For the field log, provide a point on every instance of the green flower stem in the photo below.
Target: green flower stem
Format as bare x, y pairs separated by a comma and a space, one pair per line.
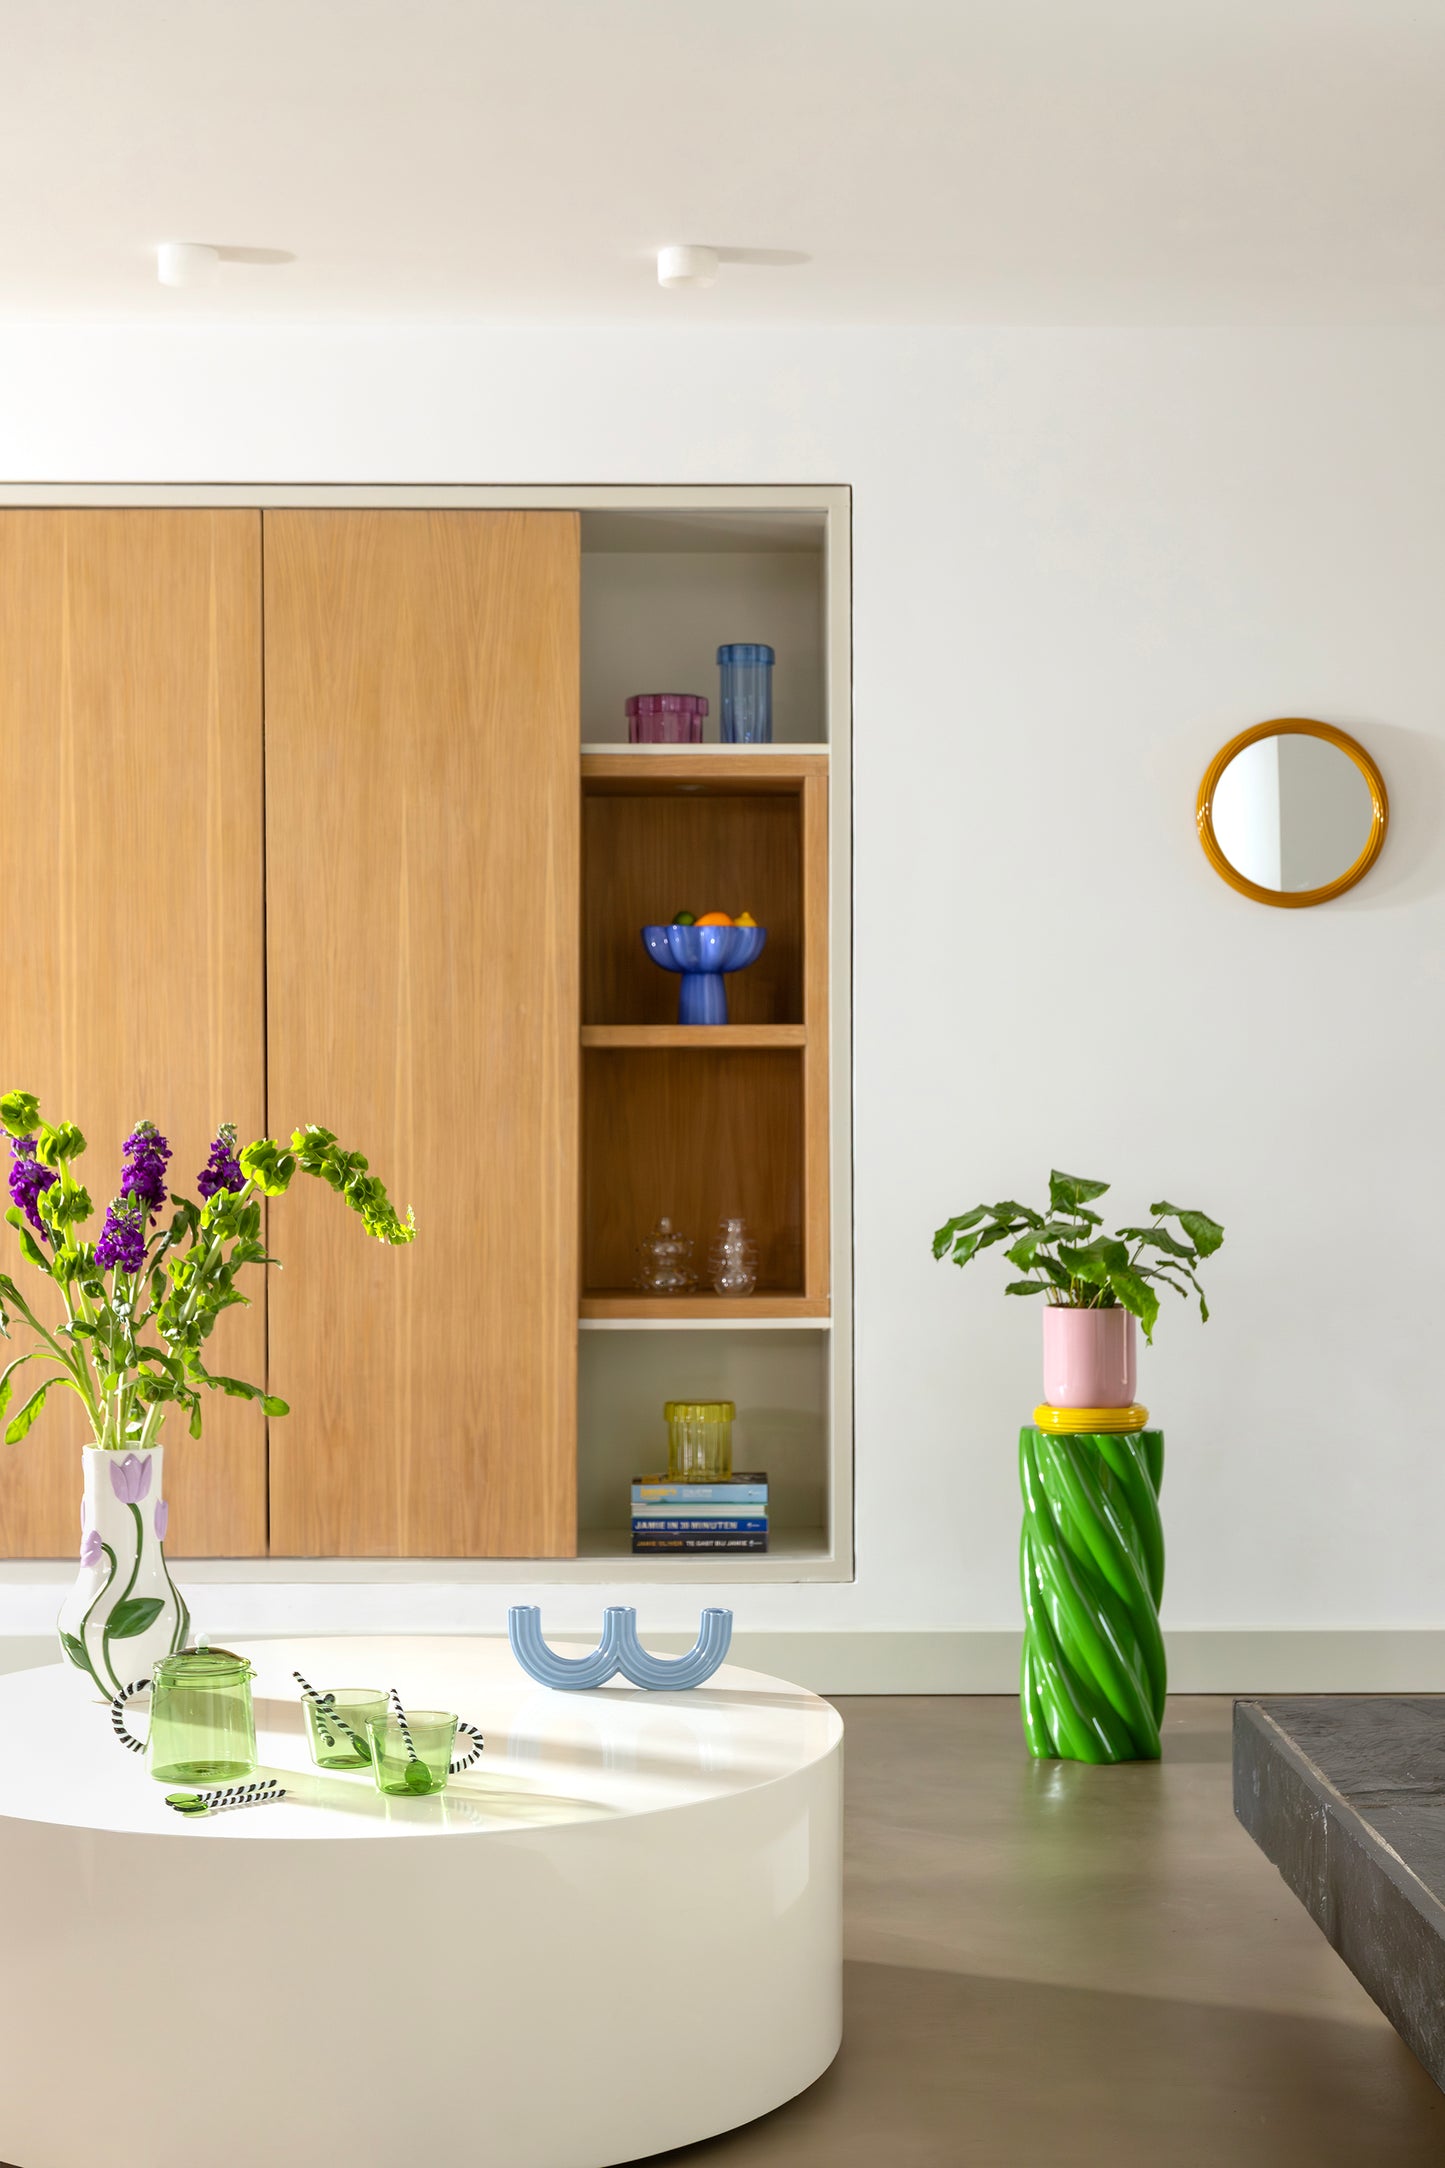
199, 1281
104, 1644
183, 1616
70, 1364
139, 1541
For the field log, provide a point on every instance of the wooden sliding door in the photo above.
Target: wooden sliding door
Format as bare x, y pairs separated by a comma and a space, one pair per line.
130, 891
422, 886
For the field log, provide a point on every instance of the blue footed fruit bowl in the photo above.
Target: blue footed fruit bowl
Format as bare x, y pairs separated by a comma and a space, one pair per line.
702, 954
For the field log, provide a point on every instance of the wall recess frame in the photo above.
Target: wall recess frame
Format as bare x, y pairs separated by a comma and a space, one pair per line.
802, 533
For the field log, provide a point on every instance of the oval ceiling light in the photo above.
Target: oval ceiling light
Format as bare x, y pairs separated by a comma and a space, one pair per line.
687, 265
187, 263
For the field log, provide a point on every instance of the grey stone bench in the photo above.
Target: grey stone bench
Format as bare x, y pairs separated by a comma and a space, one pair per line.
1346, 1794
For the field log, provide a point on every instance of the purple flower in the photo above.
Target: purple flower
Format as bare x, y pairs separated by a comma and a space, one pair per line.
130, 1478
222, 1170
143, 1169
92, 1550
27, 1179
163, 1516
122, 1238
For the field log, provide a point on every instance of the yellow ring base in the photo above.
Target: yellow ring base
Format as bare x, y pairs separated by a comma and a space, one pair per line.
1099, 1420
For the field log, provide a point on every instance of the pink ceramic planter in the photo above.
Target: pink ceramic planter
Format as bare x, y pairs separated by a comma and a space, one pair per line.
1090, 1358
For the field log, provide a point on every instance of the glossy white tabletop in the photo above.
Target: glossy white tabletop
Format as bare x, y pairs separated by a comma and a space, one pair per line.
550, 1758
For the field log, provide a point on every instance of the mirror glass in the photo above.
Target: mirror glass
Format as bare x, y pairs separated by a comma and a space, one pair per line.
1292, 813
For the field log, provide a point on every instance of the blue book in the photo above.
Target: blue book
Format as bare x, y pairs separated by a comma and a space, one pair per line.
657, 1525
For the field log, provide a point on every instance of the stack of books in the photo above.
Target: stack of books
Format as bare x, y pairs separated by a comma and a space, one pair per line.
723, 1516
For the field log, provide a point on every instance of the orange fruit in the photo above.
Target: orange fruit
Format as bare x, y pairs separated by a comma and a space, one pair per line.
714, 918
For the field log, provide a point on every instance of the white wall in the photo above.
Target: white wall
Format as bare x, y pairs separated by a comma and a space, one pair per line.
1082, 561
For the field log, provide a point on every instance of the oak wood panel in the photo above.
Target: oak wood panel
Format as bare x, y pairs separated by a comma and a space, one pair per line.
648, 856
817, 1172
130, 889
422, 731
696, 1136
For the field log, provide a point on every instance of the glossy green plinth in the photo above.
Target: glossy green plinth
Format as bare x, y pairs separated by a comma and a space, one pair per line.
1092, 1568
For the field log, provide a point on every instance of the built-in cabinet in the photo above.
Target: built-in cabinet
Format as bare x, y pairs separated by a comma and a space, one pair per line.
323, 811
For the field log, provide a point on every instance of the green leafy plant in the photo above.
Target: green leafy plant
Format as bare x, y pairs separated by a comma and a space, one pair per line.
142, 1299
1072, 1265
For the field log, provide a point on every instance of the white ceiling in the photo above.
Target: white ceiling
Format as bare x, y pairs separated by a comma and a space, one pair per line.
938, 161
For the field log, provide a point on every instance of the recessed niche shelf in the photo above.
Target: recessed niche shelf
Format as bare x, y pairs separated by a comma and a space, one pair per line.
693, 1135
659, 596
648, 855
779, 1383
699, 1123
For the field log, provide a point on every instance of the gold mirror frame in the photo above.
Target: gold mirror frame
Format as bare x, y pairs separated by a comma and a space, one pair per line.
1293, 726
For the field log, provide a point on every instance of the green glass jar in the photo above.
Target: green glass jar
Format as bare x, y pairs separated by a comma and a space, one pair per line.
699, 1440
203, 1727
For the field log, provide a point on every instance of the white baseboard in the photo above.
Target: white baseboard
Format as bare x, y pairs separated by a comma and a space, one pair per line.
1375, 1660
1264, 1661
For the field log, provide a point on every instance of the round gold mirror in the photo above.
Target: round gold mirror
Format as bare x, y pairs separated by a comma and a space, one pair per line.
1292, 812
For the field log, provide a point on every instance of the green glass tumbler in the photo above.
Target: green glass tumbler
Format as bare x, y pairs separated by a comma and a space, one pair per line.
338, 1733
413, 1771
203, 1727
699, 1440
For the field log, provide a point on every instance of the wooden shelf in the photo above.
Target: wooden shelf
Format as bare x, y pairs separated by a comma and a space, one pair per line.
703, 1038
710, 770
738, 1308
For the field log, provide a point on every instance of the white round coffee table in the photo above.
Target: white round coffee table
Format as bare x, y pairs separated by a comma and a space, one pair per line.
618, 1933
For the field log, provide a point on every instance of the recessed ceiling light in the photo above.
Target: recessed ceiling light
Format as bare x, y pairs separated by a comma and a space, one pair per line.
686, 265
187, 263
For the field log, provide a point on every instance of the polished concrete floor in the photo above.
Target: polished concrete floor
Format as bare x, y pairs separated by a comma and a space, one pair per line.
1050, 1966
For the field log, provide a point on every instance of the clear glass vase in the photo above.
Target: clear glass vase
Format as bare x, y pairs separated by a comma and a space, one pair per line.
665, 1261
733, 1259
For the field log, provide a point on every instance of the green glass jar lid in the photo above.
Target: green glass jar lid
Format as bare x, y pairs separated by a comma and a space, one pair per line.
201, 1667
699, 1411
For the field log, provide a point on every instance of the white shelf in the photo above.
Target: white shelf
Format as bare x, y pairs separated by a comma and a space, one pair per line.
779, 748
794, 1554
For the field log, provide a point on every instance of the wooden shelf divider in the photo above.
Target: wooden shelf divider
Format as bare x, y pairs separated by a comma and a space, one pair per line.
741, 1307
703, 769
702, 1038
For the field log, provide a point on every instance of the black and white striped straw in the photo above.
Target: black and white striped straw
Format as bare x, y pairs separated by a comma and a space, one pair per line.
402, 1722
260, 1794
326, 1716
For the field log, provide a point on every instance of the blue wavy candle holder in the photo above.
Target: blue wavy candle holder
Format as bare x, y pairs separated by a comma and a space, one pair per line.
703, 954
618, 1650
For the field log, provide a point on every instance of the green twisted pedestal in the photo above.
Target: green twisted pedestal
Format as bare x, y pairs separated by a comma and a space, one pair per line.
1092, 1568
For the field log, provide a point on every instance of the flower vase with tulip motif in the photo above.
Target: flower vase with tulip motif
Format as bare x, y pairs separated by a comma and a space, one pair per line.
125, 1611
